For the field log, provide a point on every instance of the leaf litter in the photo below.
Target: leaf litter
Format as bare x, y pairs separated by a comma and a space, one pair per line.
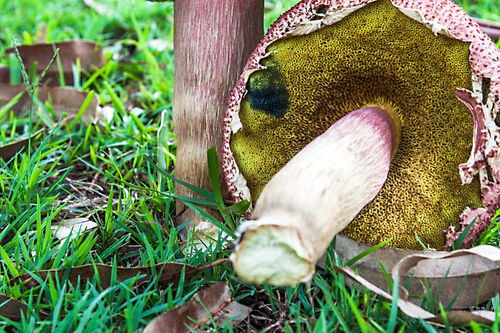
9, 150
62, 100
211, 306
477, 283
39, 57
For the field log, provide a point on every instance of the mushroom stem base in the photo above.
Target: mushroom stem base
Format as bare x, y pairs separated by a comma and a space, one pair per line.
273, 254
314, 197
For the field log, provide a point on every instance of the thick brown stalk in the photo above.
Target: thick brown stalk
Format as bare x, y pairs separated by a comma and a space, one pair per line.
314, 197
492, 29
213, 38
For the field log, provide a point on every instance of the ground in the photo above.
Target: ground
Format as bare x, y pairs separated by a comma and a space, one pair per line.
114, 174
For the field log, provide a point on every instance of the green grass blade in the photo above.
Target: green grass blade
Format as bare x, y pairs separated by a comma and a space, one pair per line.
214, 174
6, 108
458, 243
366, 252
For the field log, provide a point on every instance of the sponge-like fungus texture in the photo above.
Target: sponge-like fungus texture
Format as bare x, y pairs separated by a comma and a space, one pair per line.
324, 59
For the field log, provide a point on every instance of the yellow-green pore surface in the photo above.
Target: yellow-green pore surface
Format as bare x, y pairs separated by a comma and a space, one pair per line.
376, 55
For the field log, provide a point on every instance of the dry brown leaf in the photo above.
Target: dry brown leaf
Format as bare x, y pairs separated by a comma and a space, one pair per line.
89, 53
9, 150
470, 281
4, 74
455, 318
11, 308
69, 100
470, 276
63, 100
9, 91
368, 265
212, 304
167, 272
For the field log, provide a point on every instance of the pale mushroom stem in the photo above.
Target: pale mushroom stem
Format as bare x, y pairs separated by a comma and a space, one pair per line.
314, 196
213, 39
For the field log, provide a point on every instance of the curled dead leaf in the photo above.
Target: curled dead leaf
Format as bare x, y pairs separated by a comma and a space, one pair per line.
211, 305
16, 95
461, 278
7, 151
4, 74
167, 272
11, 308
40, 55
455, 318
63, 100
70, 101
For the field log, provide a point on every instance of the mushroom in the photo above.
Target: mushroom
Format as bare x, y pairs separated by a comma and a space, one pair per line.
212, 40
318, 63
291, 232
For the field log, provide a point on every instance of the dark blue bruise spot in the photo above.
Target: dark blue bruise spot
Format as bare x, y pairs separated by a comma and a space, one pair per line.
267, 92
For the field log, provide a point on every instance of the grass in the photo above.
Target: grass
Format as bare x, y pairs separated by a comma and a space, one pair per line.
110, 174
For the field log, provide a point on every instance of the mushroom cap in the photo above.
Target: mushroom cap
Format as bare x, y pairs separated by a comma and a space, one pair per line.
323, 59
